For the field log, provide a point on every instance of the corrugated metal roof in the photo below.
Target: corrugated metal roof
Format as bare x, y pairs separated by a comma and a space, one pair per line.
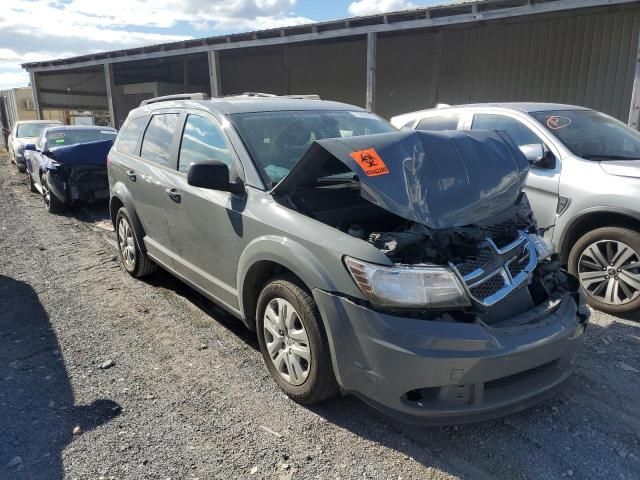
478, 9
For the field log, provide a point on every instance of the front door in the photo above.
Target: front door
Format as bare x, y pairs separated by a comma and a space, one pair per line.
204, 223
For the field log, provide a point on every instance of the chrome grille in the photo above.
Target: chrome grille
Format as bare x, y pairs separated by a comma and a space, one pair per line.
496, 271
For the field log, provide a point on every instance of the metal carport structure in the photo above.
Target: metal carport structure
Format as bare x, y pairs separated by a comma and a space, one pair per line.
582, 52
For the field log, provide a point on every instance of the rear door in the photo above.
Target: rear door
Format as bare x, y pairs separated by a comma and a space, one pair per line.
542, 183
145, 169
203, 223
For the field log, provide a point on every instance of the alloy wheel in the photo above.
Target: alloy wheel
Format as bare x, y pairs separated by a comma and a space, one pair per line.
609, 271
287, 341
46, 194
126, 243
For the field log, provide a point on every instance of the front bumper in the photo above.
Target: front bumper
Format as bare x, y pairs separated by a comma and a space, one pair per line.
443, 372
79, 183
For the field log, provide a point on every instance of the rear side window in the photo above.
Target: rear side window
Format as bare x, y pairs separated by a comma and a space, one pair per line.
520, 133
128, 138
202, 140
156, 143
438, 124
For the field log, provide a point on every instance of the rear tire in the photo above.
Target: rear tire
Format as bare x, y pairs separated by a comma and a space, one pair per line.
134, 261
607, 263
293, 343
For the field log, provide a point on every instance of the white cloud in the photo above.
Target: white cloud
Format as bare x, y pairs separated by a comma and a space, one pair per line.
371, 7
34, 30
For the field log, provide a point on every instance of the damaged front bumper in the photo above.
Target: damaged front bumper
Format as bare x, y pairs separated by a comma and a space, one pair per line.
79, 183
444, 372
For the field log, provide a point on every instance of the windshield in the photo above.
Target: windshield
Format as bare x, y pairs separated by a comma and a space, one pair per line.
592, 135
62, 138
277, 140
32, 129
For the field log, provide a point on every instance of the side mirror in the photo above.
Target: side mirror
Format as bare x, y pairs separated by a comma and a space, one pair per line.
538, 155
30, 146
213, 175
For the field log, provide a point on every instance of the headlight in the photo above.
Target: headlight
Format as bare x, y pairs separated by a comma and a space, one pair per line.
544, 248
20, 149
407, 287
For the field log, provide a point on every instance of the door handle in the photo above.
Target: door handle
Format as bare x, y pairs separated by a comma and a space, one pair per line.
173, 194
132, 175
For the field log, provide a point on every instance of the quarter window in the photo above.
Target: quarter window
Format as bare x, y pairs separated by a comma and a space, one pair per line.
438, 124
520, 134
128, 138
156, 143
202, 140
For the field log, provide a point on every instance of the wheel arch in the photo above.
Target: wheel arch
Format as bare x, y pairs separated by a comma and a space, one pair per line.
596, 218
121, 197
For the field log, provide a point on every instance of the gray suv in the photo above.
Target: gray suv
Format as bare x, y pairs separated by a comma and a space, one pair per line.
583, 186
391, 265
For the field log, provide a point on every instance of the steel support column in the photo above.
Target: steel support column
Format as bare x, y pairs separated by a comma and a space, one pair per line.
36, 95
634, 109
371, 71
214, 73
108, 80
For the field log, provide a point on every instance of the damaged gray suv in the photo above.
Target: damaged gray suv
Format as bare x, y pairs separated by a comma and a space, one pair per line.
402, 267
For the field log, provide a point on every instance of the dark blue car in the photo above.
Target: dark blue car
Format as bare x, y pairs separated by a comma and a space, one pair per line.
68, 165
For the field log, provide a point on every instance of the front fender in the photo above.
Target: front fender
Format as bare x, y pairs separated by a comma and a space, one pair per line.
287, 253
120, 194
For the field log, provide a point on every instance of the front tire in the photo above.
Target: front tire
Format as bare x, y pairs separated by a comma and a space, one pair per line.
135, 261
607, 263
52, 203
32, 186
293, 342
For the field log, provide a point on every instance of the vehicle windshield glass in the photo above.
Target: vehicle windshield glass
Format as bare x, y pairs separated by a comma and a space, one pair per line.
32, 129
592, 135
277, 140
63, 138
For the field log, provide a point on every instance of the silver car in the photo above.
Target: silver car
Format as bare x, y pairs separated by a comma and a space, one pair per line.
391, 265
583, 186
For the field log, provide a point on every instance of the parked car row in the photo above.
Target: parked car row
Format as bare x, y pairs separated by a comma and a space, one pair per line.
404, 267
65, 164
583, 186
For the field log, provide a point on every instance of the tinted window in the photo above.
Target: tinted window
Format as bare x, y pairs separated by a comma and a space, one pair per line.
438, 124
277, 140
32, 129
157, 139
128, 138
62, 138
520, 134
202, 140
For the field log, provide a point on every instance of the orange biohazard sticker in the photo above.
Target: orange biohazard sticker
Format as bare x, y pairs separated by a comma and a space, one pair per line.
370, 162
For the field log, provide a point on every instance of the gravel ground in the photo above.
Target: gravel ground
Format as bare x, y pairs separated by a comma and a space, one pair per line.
104, 376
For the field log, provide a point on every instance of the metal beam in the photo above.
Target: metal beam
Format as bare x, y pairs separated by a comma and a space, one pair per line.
214, 74
371, 71
424, 23
634, 109
36, 95
108, 79
185, 75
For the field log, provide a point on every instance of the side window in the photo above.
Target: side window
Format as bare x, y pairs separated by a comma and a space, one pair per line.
202, 140
440, 123
520, 134
128, 138
156, 143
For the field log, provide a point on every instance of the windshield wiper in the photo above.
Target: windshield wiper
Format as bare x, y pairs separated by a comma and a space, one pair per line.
608, 157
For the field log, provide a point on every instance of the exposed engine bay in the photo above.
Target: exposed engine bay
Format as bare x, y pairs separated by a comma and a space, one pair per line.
493, 244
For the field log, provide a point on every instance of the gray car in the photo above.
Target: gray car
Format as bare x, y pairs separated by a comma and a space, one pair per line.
387, 264
583, 186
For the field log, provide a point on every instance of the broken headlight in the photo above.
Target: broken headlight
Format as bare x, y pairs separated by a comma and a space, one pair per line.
407, 287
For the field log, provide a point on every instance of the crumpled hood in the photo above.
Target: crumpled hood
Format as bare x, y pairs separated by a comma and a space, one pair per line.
439, 179
622, 168
91, 153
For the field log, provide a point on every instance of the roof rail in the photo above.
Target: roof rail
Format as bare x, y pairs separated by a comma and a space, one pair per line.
271, 95
179, 96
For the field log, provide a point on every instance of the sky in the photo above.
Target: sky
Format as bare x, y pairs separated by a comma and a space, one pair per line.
35, 30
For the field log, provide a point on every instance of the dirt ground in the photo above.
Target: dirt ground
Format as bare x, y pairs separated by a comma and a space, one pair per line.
183, 393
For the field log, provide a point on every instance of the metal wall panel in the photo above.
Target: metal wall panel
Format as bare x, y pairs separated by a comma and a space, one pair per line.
585, 59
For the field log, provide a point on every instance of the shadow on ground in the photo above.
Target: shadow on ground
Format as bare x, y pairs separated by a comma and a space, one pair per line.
37, 408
